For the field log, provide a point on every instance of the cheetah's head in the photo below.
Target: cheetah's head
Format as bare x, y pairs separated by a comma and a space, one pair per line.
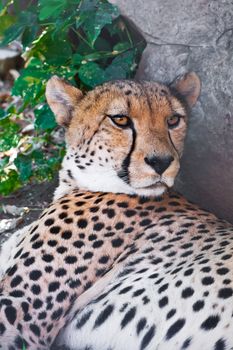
124, 136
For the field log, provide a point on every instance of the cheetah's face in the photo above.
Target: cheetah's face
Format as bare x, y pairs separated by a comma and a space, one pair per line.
124, 136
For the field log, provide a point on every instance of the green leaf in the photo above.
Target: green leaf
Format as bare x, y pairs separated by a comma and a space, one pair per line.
9, 182
5, 22
3, 113
29, 35
121, 46
77, 59
54, 50
44, 118
26, 19
91, 74
104, 14
51, 8
122, 66
9, 136
24, 166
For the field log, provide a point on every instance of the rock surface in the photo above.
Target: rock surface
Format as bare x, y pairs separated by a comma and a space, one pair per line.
195, 35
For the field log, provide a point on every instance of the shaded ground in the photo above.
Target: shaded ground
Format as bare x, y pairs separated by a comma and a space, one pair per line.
34, 196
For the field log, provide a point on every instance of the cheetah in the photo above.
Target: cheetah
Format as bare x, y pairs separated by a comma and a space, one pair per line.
114, 222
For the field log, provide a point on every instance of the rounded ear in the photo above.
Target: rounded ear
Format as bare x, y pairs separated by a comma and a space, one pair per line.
188, 86
62, 99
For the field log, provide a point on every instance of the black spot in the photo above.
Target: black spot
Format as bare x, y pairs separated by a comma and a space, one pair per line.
42, 315
78, 244
55, 229
16, 281
87, 255
52, 243
53, 286
117, 242
206, 281
37, 304
171, 313
225, 293
2, 328
163, 302
62, 215
104, 259
10, 313
122, 205
78, 212
145, 222
62, 296
198, 305
98, 226
188, 272
74, 283
138, 292
109, 212
49, 222
222, 271
128, 317
147, 337
25, 307
175, 328
61, 250
80, 269
186, 343
98, 244
47, 258
35, 289
37, 244
94, 209
17, 293
163, 288
125, 290
71, 259
66, 234
57, 314
35, 275
220, 345
119, 226
141, 325
187, 292
103, 316
210, 323
82, 223
81, 322
60, 272
35, 329
34, 237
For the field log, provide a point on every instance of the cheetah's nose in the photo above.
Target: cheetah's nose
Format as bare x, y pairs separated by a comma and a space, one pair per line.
159, 164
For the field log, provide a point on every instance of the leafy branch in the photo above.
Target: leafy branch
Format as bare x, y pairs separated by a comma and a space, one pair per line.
86, 42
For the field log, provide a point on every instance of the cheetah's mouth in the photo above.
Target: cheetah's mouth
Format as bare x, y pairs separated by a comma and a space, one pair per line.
156, 185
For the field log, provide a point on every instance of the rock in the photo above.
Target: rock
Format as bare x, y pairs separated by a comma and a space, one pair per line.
195, 36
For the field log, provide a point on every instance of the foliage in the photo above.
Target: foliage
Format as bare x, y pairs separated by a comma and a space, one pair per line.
84, 41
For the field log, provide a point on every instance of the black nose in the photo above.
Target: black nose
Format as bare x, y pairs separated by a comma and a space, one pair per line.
159, 164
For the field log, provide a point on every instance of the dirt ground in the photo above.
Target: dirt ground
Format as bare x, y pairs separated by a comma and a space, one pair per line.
34, 196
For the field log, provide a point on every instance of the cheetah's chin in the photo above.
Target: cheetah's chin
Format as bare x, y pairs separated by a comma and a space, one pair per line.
155, 190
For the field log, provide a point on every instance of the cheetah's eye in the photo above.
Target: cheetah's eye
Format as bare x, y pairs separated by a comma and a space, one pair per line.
120, 120
173, 121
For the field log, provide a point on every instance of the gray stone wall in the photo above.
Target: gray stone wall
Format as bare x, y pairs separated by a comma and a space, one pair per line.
195, 35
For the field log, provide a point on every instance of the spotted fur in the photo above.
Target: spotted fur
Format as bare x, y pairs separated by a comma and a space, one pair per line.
107, 210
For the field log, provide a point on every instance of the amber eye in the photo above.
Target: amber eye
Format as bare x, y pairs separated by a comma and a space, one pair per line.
173, 121
120, 120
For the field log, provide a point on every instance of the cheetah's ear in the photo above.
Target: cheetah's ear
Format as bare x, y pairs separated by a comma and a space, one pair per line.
188, 86
62, 99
